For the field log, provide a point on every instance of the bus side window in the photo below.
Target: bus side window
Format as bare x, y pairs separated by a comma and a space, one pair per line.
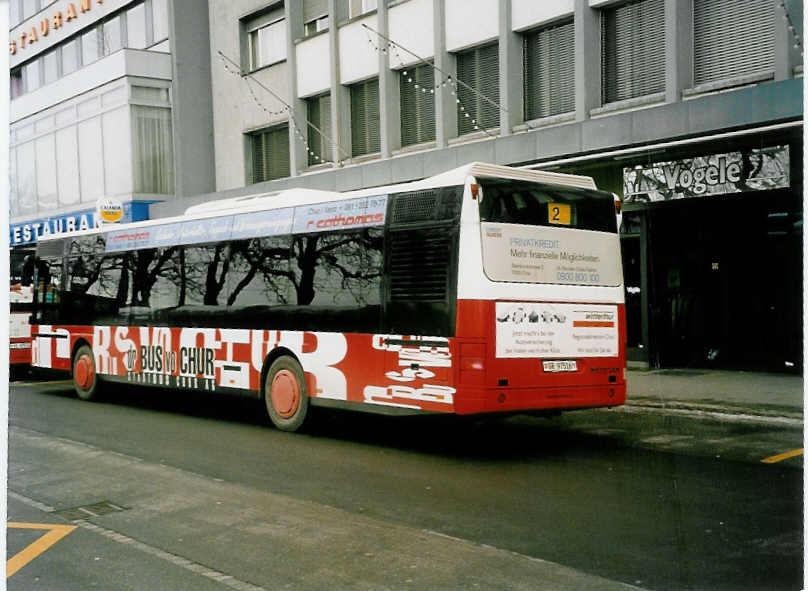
28, 270
48, 281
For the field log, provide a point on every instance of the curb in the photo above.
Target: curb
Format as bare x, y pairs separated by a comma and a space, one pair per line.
773, 416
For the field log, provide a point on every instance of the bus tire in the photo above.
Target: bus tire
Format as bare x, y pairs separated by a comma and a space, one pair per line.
285, 395
85, 378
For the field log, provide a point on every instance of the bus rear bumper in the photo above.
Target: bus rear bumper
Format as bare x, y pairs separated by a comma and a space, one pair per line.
470, 401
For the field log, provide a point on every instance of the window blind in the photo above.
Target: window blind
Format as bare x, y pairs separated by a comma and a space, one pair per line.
732, 38
154, 151
417, 105
313, 9
319, 114
271, 154
479, 69
633, 54
549, 66
365, 135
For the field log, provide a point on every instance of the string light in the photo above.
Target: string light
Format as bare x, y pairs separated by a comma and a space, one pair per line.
287, 109
796, 41
408, 76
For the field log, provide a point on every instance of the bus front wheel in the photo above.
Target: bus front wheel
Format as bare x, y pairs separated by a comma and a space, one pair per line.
85, 379
285, 395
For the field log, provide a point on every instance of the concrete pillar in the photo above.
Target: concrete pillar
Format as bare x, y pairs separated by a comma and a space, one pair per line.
784, 38
587, 60
298, 155
340, 95
445, 102
511, 72
192, 98
389, 93
678, 48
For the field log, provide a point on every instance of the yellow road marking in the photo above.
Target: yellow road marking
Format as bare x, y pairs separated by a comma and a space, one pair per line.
783, 456
55, 533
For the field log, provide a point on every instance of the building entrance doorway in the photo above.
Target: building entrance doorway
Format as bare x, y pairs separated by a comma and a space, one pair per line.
725, 282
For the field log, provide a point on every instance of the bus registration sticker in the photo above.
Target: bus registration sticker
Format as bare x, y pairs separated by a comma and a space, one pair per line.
556, 366
559, 213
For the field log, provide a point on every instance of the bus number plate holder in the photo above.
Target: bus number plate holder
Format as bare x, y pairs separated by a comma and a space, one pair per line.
559, 366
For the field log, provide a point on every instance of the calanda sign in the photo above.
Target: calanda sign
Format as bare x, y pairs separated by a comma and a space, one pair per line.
731, 172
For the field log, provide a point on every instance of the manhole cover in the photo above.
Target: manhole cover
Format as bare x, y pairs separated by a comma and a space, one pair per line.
89, 511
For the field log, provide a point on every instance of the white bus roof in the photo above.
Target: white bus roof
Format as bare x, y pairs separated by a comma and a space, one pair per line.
297, 197
450, 178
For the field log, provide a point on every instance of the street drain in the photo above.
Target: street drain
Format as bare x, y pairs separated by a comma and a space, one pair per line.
89, 511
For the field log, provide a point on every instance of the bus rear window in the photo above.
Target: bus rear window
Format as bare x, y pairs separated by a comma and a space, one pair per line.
508, 201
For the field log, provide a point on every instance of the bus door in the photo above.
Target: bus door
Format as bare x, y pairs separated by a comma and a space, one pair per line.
50, 347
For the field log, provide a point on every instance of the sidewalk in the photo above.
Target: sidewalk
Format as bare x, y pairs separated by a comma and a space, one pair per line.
753, 394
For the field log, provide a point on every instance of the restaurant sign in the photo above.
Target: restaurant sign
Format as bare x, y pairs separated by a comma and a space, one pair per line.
717, 174
31, 231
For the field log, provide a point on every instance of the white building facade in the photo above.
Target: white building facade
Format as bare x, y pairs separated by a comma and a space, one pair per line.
93, 110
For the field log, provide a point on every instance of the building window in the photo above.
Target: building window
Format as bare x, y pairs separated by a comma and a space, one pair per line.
113, 40
417, 86
358, 7
732, 39
32, 81
549, 62
270, 154
315, 16
266, 38
50, 67
160, 20
633, 50
90, 46
14, 13
318, 110
479, 70
153, 150
365, 136
29, 8
16, 89
70, 57
136, 27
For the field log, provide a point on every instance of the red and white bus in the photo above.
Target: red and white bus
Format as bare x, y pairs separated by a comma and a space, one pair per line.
485, 289
21, 299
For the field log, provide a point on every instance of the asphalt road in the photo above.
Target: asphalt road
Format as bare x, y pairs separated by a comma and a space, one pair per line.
197, 492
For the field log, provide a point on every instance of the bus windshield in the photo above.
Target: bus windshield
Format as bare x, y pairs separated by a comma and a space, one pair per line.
507, 201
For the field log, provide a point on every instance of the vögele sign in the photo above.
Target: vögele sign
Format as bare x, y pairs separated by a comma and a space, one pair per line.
731, 172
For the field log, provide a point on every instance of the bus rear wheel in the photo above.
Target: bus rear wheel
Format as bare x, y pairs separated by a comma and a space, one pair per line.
285, 395
85, 379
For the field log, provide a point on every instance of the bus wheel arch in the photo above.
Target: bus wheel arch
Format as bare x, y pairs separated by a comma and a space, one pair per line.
83, 371
284, 390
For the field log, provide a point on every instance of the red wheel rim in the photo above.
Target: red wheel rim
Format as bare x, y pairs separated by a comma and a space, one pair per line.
285, 393
84, 373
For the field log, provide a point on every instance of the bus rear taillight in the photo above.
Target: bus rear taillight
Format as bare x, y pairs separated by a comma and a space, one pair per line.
472, 364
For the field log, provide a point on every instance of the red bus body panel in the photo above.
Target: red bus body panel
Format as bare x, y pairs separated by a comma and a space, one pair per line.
486, 383
400, 372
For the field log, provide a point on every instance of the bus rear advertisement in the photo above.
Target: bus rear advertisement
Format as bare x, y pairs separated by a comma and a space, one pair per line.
486, 289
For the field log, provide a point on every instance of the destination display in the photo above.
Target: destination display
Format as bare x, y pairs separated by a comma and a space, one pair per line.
539, 254
545, 330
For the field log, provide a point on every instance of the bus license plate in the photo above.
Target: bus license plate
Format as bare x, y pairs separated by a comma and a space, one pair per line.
554, 366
